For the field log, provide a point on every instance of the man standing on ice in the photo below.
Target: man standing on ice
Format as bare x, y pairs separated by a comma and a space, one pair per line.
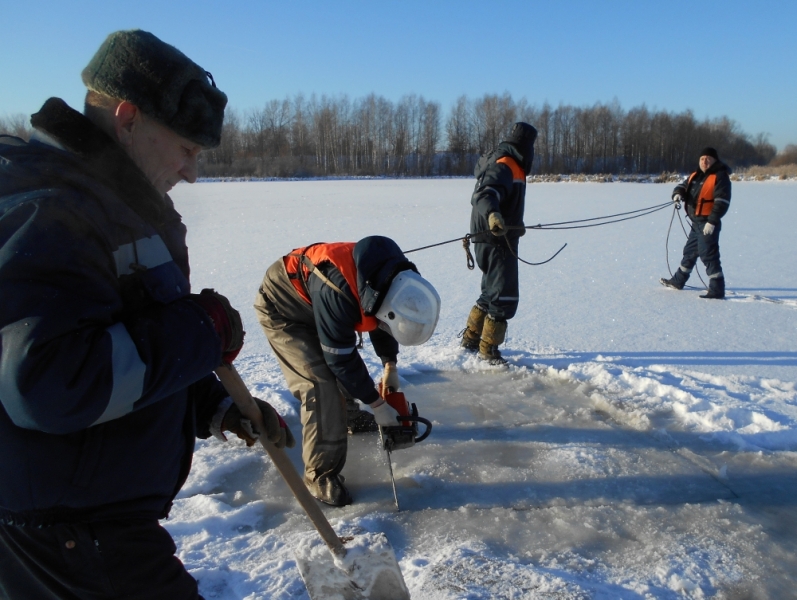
106, 358
707, 193
312, 305
497, 215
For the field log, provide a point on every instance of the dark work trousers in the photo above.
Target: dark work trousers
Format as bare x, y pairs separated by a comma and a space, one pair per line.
500, 290
289, 324
707, 247
130, 559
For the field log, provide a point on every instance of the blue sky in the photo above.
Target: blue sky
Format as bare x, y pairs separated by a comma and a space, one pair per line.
734, 58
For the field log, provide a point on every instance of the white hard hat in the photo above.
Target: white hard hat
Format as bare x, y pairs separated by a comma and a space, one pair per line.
410, 309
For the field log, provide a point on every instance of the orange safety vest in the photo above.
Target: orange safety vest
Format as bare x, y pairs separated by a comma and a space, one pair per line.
340, 255
518, 174
705, 201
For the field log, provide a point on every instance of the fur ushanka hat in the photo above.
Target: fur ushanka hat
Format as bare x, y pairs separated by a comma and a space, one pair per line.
164, 83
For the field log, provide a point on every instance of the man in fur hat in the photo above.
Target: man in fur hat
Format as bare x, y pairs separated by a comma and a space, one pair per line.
106, 357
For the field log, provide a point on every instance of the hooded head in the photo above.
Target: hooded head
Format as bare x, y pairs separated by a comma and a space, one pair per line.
390, 288
522, 138
166, 85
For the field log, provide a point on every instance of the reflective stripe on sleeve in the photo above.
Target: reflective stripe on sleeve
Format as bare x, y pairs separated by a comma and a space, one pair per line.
128, 374
14, 200
329, 350
722, 200
509, 298
147, 252
489, 188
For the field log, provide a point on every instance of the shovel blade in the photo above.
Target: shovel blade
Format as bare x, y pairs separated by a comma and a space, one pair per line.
369, 571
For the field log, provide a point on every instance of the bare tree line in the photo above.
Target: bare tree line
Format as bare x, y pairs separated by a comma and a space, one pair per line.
373, 136
337, 136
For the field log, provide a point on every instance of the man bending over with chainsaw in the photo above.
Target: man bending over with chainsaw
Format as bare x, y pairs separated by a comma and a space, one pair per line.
106, 357
312, 305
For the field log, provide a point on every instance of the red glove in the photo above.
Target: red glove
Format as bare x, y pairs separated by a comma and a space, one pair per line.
389, 407
226, 321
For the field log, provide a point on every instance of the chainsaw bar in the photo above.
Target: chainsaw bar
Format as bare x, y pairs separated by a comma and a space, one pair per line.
400, 436
390, 468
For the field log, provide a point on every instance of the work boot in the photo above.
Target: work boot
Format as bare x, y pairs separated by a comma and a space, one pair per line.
360, 421
671, 283
473, 329
716, 289
493, 336
677, 281
329, 490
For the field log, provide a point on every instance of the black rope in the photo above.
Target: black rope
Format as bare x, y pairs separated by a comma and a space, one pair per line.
467, 237
675, 208
641, 212
666, 246
469, 257
465, 244
509, 246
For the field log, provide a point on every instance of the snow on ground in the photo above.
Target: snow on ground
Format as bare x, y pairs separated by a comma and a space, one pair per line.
642, 445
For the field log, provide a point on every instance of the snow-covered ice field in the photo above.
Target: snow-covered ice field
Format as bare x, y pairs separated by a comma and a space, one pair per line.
642, 445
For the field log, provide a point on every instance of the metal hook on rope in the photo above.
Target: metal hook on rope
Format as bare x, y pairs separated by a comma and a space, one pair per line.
469, 257
465, 244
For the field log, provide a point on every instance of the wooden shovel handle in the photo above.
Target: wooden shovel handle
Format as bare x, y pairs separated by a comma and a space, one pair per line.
239, 393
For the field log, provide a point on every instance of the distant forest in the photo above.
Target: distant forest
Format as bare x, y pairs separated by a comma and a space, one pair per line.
337, 136
324, 136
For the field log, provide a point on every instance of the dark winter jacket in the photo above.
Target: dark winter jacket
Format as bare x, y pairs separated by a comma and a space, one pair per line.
498, 189
377, 260
105, 363
692, 185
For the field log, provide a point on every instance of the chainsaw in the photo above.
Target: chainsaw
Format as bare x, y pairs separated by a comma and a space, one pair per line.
405, 434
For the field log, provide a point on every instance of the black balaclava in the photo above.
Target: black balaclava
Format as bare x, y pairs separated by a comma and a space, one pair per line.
523, 137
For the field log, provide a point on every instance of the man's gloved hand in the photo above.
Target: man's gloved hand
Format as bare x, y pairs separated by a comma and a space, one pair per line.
708, 229
226, 321
390, 379
384, 414
495, 222
277, 430
677, 198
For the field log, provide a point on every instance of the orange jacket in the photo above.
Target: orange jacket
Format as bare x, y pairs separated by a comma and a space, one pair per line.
705, 201
340, 255
518, 174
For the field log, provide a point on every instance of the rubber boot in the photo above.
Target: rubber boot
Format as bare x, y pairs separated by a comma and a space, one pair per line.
716, 289
473, 329
677, 281
329, 490
493, 335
